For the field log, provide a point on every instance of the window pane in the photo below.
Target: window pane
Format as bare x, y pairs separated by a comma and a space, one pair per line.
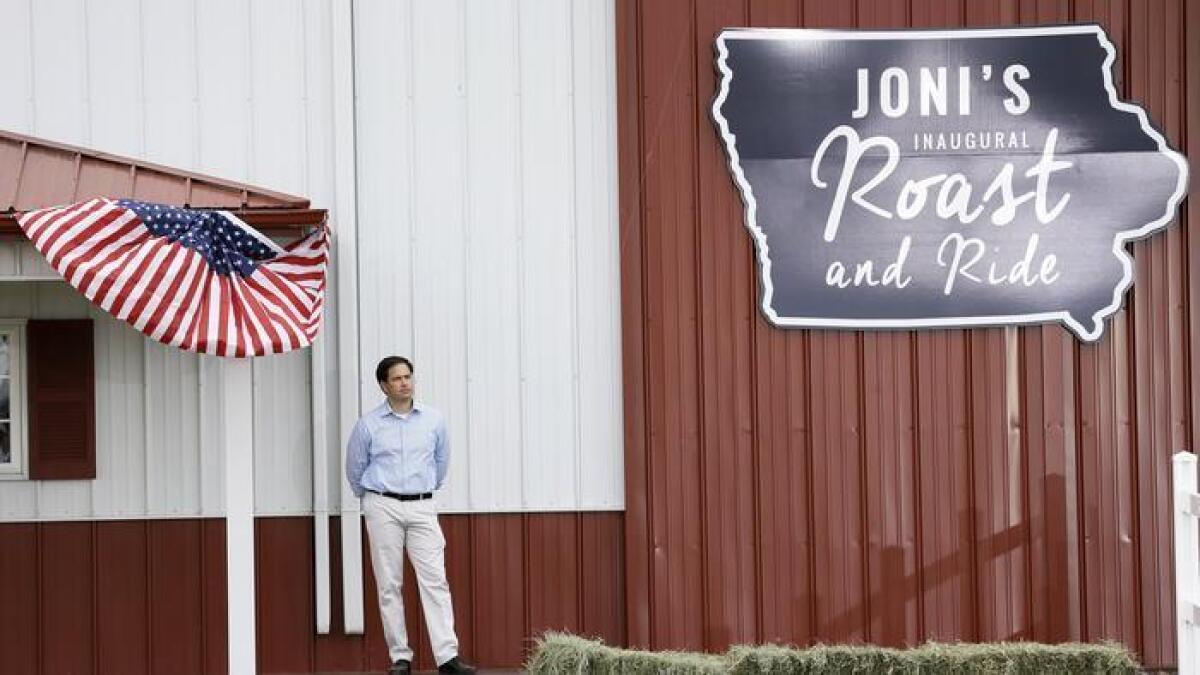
4, 355
5, 444
4, 399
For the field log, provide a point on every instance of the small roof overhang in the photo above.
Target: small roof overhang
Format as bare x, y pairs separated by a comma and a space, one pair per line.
35, 173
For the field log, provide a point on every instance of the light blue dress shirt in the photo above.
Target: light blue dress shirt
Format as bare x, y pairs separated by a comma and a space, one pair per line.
404, 454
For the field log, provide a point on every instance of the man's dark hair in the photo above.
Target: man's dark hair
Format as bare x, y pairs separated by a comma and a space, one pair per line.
381, 370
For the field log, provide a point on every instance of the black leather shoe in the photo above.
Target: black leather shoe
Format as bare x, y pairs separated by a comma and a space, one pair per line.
400, 667
455, 666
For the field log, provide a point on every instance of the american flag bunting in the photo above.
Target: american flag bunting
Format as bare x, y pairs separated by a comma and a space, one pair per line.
200, 280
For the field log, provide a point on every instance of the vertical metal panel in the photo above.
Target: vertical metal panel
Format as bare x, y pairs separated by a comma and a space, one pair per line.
501, 610
171, 426
224, 121
959, 485
214, 614
19, 586
282, 434
122, 599
837, 553
284, 571
674, 481
10, 265
439, 261
129, 481
58, 79
784, 547
276, 88
168, 72
66, 598
469, 624
730, 549
386, 167
17, 78
33, 264
597, 302
1156, 40
317, 94
638, 545
602, 574
488, 239
494, 222
113, 123
1107, 501
888, 418
555, 567
945, 572
548, 242
175, 554
212, 469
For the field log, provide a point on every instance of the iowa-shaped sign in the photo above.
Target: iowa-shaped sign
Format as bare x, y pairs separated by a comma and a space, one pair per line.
907, 179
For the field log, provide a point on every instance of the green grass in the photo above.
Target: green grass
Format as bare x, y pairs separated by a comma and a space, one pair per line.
563, 653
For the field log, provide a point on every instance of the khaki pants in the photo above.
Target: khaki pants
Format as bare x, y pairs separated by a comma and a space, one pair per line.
393, 525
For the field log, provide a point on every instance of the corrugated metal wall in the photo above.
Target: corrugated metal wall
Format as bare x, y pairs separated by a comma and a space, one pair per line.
486, 222
486, 171
890, 487
156, 414
488, 238
135, 597
20, 261
113, 597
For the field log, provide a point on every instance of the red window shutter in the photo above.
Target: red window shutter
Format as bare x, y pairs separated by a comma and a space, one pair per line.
62, 399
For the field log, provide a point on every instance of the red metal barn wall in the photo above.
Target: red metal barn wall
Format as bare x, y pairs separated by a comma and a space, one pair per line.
887, 487
148, 596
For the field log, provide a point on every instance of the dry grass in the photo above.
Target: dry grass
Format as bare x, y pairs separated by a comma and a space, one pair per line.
560, 653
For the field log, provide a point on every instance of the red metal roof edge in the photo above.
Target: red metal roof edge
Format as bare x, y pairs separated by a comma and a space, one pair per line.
265, 219
292, 201
291, 213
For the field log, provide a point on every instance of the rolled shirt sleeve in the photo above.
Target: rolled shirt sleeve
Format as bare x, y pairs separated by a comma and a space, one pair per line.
357, 457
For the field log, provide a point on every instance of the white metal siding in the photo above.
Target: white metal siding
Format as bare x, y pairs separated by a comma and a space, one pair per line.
230, 88
487, 233
19, 260
488, 238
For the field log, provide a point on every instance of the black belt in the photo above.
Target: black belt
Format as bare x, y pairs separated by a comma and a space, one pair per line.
404, 498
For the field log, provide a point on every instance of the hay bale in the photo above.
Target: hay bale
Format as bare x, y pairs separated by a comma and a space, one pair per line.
561, 653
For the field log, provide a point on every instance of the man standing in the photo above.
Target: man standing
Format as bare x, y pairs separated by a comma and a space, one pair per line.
396, 459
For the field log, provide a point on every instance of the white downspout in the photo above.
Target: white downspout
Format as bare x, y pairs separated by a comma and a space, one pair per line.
320, 477
346, 247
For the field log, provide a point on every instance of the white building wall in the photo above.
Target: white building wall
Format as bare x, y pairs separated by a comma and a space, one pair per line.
487, 233
488, 238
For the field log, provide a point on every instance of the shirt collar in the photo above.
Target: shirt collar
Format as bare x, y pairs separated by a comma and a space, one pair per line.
385, 408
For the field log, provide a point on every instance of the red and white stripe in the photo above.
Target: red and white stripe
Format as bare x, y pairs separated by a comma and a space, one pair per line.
168, 291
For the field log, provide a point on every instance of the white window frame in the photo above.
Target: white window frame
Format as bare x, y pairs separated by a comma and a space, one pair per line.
17, 468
